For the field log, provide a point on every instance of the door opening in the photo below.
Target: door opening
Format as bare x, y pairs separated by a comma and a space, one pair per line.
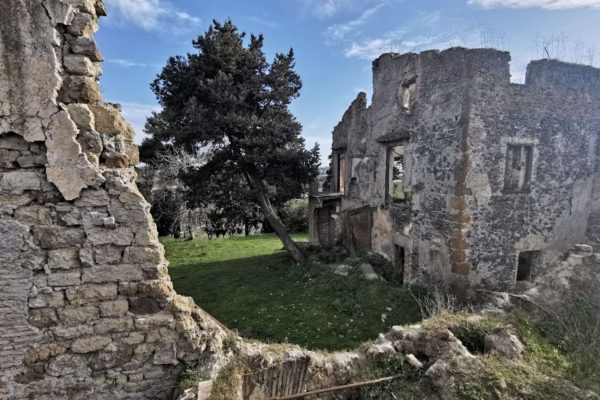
526, 265
399, 264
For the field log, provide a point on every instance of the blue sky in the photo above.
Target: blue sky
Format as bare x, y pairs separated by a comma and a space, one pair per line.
335, 42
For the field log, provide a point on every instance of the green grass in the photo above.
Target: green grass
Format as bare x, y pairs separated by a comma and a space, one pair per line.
251, 285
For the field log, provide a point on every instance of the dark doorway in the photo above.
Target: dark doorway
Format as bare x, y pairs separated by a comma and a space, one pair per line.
527, 261
399, 263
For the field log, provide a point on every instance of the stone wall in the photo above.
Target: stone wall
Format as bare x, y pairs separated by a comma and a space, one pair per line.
459, 228
87, 309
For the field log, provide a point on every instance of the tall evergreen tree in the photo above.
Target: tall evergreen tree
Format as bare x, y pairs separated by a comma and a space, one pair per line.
227, 101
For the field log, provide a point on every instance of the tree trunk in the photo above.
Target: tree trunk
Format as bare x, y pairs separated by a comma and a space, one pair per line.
273, 219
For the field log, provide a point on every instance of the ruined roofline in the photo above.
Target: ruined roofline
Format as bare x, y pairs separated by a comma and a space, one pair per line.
541, 73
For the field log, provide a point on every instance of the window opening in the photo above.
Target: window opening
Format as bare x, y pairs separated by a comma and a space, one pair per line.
519, 160
527, 260
395, 184
406, 94
341, 172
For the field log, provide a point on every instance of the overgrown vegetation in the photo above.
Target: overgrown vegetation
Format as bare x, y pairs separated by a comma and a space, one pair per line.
247, 283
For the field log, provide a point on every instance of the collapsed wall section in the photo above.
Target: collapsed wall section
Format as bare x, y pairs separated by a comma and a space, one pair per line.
87, 308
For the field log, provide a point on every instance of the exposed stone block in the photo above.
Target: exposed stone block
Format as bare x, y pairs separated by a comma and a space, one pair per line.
58, 237
17, 182
90, 344
147, 322
116, 308
67, 258
112, 273
72, 332
92, 292
8, 158
139, 254
53, 299
82, 116
93, 198
113, 325
79, 89
34, 215
120, 236
81, 65
32, 160
108, 254
43, 317
144, 305
67, 364
64, 278
166, 354
72, 316
83, 24
109, 121
85, 46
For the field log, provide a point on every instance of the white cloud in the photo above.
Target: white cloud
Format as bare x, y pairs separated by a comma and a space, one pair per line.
395, 42
329, 8
151, 14
122, 62
341, 31
137, 114
546, 4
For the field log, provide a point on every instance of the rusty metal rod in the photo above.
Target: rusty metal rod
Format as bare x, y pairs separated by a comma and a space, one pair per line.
336, 388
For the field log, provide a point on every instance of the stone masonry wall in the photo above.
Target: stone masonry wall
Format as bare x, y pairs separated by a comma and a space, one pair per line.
459, 228
87, 309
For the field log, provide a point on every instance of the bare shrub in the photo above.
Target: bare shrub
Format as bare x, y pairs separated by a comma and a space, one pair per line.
437, 302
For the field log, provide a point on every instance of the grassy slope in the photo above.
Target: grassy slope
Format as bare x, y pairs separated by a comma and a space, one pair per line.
250, 284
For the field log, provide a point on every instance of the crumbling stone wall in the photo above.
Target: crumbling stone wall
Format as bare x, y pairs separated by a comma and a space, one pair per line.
459, 227
87, 309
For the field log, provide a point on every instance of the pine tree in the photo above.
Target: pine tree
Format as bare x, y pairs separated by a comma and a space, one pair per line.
227, 101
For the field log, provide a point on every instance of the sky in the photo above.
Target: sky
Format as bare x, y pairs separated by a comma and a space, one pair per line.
335, 42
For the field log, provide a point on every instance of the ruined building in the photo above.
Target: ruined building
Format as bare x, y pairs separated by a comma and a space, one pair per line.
460, 177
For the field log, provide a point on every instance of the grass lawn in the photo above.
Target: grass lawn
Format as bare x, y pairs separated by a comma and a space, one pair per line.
251, 285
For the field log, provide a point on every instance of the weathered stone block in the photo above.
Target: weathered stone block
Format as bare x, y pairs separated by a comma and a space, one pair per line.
158, 288
32, 160
138, 254
43, 317
71, 316
93, 198
108, 254
58, 237
66, 278
67, 258
80, 65
113, 325
119, 236
90, 344
8, 158
34, 215
109, 121
82, 116
92, 292
17, 182
166, 354
85, 46
53, 299
72, 332
113, 273
83, 24
162, 319
79, 89
116, 308
67, 364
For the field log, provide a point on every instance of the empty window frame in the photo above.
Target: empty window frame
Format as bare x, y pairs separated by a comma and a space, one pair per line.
526, 264
407, 91
519, 160
341, 172
395, 175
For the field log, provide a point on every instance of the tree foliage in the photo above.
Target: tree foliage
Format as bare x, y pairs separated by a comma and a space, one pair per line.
226, 101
